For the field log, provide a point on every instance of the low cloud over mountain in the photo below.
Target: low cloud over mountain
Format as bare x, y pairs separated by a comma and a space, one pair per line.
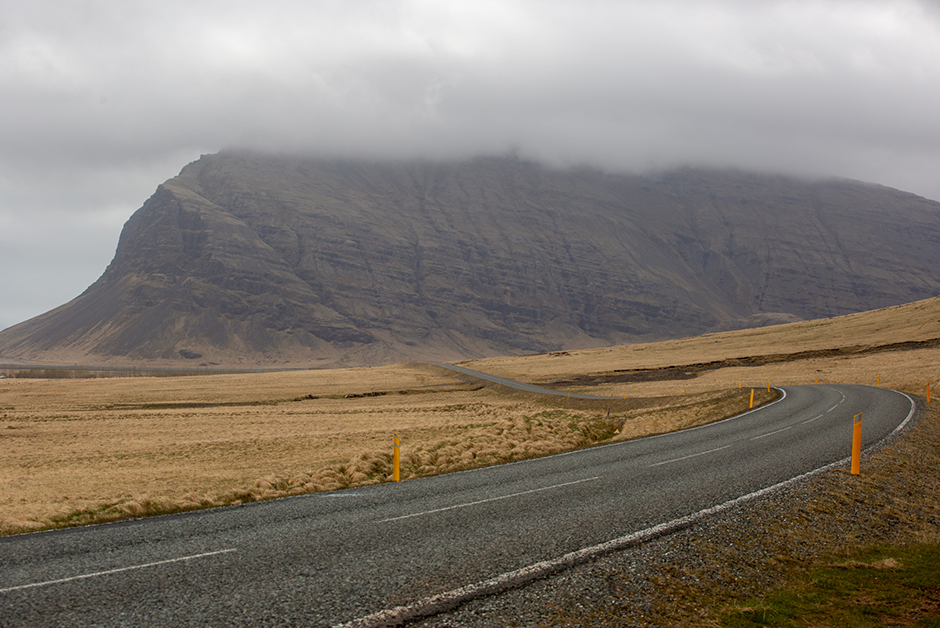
248, 259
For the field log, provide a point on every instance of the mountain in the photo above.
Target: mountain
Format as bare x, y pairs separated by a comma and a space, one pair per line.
250, 259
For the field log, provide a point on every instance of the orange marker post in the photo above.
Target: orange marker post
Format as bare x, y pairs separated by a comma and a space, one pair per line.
928, 393
396, 458
768, 385
856, 443
752, 399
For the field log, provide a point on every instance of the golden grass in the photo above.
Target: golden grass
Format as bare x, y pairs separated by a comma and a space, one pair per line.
81, 445
913, 322
79, 451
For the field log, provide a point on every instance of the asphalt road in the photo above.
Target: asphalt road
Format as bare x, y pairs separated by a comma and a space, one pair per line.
496, 379
350, 556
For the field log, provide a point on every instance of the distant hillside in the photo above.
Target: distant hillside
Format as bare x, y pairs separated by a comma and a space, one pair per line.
246, 259
895, 330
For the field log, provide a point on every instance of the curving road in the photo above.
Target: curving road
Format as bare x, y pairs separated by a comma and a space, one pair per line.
511, 383
370, 556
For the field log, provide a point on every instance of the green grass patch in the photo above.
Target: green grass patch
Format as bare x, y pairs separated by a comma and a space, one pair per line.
881, 586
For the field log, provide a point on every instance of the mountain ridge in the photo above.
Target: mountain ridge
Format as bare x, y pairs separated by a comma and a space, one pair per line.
249, 259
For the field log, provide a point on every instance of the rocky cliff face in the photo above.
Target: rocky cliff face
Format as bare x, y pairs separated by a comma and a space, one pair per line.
259, 260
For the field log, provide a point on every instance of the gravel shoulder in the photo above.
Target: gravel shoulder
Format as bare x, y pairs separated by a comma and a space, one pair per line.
690, 577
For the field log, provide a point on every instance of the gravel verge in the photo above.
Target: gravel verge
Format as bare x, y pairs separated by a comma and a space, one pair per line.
689, 577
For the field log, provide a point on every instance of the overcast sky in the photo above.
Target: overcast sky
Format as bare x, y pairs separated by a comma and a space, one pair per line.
103, 101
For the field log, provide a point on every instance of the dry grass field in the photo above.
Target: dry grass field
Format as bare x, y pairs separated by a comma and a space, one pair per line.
76, 451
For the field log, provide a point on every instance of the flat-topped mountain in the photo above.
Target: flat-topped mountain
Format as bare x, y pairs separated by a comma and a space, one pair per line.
248, 259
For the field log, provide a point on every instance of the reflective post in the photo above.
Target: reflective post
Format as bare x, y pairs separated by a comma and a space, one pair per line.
396, 458
752, 399
856, 443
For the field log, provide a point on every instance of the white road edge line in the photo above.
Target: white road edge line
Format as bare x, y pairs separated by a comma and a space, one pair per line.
111, 571
483, 501
701, 453
452, 599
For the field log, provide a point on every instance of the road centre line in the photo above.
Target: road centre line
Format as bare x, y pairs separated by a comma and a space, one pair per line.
492, 499
827, 411
837, 405
701, 453
112, 571
782, 429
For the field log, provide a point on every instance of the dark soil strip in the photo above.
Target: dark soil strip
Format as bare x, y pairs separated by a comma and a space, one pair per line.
691, 371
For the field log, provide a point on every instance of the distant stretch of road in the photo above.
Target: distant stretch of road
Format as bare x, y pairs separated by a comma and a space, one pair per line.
511, 383
370, 556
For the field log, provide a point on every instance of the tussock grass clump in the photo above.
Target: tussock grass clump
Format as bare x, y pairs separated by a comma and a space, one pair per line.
521, 438
116, 511
689, 411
